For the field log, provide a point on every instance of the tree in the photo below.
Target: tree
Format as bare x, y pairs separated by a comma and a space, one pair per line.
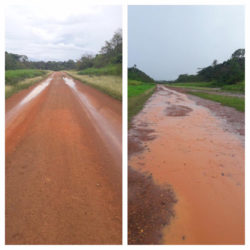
86, 61
239, 53
214, 63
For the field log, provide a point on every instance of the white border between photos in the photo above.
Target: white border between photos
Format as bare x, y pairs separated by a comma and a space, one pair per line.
2, 126
125, 53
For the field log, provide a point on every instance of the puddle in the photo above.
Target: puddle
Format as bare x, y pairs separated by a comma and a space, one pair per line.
34, 93
177, 110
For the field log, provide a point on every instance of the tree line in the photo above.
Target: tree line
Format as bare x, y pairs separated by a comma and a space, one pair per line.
229, 72
110, 53
135, 74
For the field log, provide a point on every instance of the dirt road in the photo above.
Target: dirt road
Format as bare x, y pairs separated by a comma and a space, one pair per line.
194, 148
63, 165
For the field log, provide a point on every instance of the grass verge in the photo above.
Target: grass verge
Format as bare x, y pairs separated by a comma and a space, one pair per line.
112, 69
109, 84
238, 87
14, 76
193, 84
234, 102
137, 96
24, 84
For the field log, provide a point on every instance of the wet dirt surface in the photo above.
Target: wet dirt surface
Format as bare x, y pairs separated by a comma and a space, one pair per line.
200, 154
232, 117
63, 172
177, 110
150, 208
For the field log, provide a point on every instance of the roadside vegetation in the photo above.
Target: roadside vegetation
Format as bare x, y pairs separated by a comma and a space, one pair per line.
107, 62
111, 69
14, 76
17, 80
238, 87
193, 84
135, 74
226, 76
217, 81
139, 90
109, 84
102, 71
234, 102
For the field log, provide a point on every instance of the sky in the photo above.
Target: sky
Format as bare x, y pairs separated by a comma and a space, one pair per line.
166, 41
59, 32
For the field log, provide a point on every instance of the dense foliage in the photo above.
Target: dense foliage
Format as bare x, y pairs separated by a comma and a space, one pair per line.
15, 61
226, 73
135, 74
110, 54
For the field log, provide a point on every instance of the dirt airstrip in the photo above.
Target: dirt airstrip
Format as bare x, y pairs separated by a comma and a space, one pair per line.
193, 152
63, 165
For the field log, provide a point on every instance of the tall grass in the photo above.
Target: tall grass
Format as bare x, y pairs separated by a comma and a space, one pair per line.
112, 69
111, 85
14, 88
15, 76
238, 87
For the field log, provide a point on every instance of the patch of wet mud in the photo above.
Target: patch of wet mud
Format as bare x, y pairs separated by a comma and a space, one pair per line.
140, 135
177, 110
150, 208
235, 119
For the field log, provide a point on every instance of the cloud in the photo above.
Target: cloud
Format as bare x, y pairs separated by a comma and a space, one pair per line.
59, 32
166, 41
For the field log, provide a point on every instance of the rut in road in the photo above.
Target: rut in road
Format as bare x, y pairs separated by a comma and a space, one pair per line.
185, 145
63, 175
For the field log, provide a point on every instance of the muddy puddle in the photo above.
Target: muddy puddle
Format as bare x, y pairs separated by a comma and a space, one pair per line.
193, 151
11, 114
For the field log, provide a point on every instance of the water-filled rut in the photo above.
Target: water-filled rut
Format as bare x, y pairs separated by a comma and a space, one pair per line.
186, 147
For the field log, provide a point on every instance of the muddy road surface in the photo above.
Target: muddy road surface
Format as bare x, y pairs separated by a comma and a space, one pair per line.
63, 165
195, 149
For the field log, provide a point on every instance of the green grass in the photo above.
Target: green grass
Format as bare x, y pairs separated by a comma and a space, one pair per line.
113, 69
193, 84
15, 76
134, 82
239, 87
24, 84
111, 85
138, 94
136, 90
234, 102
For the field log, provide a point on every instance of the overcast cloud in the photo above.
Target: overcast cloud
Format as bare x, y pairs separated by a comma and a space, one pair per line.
165, 41
59, 32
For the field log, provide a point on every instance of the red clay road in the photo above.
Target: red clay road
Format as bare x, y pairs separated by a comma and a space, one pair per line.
201, 156
63, 165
